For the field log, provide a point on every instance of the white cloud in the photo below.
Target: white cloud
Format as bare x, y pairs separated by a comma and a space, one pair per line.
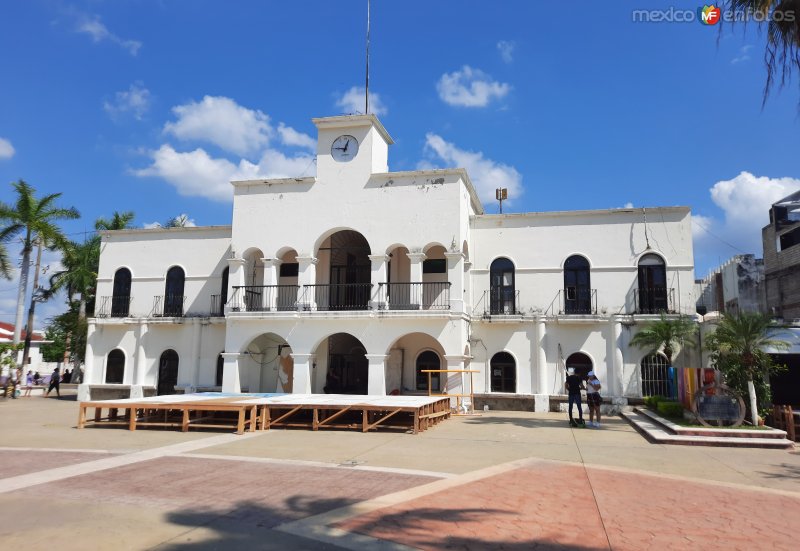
486, 174
223, 122
506, 50
183, 220
51, 263
197, 174
135, 100
6, 149
743, 54
470, 87
352, 101
745, 202
291, 137
95, 28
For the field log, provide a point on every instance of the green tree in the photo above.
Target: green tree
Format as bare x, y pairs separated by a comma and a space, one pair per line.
5, 261
118, 221
737, 348
32, 218
667, 335
781, 18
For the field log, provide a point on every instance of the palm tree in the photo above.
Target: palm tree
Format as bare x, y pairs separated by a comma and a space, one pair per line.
782, 19
119, 221
666, 335
743, 338
5, 262
33, 219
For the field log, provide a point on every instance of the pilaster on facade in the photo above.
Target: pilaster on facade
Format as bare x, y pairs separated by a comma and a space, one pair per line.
376, 375
230, 373
302, 373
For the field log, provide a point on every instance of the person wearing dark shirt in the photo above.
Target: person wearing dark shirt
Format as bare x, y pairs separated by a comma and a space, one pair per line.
574, 385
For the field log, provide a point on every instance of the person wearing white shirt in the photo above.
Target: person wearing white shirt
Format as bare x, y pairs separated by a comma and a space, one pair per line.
593, 399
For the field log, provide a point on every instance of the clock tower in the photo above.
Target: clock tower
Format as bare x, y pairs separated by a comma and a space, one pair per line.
351, 147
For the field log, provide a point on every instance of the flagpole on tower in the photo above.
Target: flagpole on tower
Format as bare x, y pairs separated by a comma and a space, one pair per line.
366, 91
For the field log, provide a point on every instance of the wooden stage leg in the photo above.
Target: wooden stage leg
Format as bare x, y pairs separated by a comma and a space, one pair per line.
185, 420
240, 426
98, 412
132, 418
81, 416
416, 421
315, 421
253, 417
265, 417
365, 421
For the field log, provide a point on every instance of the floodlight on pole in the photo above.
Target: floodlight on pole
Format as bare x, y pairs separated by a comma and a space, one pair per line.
501, 194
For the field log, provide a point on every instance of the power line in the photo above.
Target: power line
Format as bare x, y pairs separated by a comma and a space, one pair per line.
709, 232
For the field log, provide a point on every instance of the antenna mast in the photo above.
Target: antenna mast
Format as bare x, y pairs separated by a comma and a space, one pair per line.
366, 92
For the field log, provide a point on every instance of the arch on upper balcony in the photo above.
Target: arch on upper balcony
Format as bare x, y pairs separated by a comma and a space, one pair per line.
253, 266
342, 230
432, 246
285, 251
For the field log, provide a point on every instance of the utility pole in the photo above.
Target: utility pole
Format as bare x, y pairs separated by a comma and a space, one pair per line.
501, 194
29, 328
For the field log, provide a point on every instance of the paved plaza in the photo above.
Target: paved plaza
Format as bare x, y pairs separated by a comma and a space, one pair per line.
500, 480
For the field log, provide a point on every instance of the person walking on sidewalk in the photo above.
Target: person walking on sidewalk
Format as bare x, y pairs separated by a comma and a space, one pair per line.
593, 399
55, 379
574, 386
28, 384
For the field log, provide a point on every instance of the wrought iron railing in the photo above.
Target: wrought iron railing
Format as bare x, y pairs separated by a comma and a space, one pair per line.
117, 306
336, 296
169, 306
654, 300
503, 301
577, 301
263, 298
433, 295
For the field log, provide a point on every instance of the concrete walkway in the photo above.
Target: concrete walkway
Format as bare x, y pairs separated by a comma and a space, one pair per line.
501, 480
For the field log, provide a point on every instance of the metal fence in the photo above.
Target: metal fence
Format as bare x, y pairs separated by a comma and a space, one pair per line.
414, 296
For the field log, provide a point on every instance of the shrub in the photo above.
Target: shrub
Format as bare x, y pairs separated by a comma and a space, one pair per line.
670, 409
652, 401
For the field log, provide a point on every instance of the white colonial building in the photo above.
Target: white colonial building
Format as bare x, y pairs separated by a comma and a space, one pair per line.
356, 280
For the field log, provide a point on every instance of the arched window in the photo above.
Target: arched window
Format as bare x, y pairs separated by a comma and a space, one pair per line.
504, 373
653, 294
173, 292
220, 366
577, 286
428, 360
121, 297
502, 295
168, 372
115, 366
580, 362
656, 379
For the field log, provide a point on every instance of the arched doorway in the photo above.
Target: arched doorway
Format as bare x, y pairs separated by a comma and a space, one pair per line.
348, 367
167, 372
504, 373
267, 365
652, 279
425, 361
580, 362
121, 298
219, 370
577, 286
346, 256
655, 376
115, 366
173, 292
502, 292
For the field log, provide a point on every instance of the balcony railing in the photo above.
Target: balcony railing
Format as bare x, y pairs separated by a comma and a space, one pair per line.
336, 296
217, 306
577, 301
264, 298
168, 306
503, 301
654, 300
414, 296
117, 306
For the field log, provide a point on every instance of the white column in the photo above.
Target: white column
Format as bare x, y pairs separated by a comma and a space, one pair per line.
307, 275
614, 374
235, 279
455, 275
378, 276
194, 376
541, 358
271, 274
416, 275
376, 378
139, 362
301, 376
230, 373
89, 375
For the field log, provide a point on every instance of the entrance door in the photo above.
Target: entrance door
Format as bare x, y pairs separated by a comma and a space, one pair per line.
652, 285
167, 372
501, 287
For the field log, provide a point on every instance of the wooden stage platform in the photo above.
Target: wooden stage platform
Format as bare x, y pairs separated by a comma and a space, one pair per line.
251, 412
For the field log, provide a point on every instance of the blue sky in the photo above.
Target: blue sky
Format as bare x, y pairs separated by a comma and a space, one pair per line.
150, 106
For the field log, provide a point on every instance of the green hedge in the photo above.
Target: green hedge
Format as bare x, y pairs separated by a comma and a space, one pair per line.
652, 401
670, 409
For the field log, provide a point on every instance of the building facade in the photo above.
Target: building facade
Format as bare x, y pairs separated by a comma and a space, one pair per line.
735, 286
361, 280
781, 239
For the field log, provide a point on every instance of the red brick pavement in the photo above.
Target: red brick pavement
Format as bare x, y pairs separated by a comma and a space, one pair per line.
551, 506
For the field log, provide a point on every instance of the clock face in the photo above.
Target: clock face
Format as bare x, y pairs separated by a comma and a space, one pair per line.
344, 148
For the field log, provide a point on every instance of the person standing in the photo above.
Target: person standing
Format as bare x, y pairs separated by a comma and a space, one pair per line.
55, 379
593, 399
28, 384
574, 386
